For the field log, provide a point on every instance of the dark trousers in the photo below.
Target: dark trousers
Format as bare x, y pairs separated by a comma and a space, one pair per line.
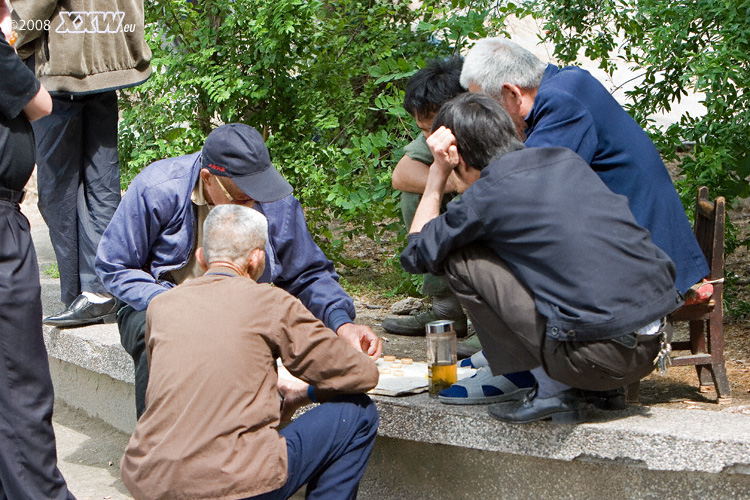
78, 177
328, 448
28, 460
512, 332
132, 325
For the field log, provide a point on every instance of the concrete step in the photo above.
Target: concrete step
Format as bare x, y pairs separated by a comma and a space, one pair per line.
429, 450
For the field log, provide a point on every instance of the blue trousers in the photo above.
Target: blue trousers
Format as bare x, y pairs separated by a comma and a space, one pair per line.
28, 460
328, 448
78, 177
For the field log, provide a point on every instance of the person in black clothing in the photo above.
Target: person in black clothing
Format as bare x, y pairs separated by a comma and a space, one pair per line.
28, 460
550, 265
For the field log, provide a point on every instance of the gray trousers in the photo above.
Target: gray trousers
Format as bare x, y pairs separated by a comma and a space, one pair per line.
78, 177
28, 460
512, 332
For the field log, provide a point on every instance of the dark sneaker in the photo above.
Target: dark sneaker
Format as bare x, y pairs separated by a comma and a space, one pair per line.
469, 346
414, 325
607, 400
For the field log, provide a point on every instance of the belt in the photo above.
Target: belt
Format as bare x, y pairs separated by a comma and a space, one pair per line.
12, 195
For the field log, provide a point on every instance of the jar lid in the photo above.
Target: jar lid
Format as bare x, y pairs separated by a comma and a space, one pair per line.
439, 326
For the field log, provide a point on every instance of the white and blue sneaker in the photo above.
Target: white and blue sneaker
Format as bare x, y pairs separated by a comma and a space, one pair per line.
485, 388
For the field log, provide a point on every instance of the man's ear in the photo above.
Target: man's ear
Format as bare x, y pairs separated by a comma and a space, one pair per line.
511, 96
201, 259
466, 173
205, 175
256, 263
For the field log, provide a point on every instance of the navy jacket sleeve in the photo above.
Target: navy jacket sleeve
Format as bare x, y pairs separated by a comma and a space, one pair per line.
559, 119
460, 225
145, 213
295, 263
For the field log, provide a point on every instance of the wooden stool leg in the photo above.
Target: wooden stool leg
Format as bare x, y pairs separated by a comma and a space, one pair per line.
633, 392
705, 377
721, 381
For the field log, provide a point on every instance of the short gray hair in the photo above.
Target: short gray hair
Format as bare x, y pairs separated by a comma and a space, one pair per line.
231, 232
495, 61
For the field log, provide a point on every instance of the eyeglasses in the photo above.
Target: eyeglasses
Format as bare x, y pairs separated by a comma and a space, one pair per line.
230, 198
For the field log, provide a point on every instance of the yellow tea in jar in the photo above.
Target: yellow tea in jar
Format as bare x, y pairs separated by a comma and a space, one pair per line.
441, 377
441, 356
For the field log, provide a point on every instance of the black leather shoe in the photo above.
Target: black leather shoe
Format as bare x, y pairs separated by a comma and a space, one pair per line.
82, 312
607, 400
566, 407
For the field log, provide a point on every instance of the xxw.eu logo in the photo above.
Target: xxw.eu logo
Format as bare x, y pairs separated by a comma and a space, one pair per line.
93, 22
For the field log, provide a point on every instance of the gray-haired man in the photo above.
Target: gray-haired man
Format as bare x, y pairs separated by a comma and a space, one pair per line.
211, 430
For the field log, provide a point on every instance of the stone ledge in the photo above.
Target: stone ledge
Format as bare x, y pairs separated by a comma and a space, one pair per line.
653, 438
650, 438
96, 348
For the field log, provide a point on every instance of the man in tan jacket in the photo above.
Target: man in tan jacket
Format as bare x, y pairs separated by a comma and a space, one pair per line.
83, 51
210, 429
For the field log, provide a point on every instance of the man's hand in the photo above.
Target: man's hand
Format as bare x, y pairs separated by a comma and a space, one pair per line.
293, 397
5, 22
442, 143
411, 175
445, 159
362, 338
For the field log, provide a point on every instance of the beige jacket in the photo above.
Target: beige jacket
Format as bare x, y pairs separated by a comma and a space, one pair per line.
212, 405
83, 46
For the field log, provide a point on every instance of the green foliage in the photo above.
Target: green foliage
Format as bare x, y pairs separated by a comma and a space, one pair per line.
322, 81
52, 270
676, 47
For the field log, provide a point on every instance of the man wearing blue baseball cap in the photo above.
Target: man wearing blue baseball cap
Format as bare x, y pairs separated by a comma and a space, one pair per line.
149, 246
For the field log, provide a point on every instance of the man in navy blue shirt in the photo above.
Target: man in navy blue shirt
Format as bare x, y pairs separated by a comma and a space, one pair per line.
567, 107
550, 265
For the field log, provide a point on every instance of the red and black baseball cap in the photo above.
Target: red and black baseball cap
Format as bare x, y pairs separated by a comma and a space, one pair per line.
237, 151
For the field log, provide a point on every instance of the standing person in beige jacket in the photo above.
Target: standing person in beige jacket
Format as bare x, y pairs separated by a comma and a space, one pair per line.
210, 429
82, 51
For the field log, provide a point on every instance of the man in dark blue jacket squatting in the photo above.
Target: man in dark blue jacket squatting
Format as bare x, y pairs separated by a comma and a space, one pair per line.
568, 107
550, 265
149, 246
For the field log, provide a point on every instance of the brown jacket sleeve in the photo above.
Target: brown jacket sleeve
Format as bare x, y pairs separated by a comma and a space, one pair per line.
315, 354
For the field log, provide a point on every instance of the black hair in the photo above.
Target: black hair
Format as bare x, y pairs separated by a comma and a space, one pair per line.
431, 86
482, 128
